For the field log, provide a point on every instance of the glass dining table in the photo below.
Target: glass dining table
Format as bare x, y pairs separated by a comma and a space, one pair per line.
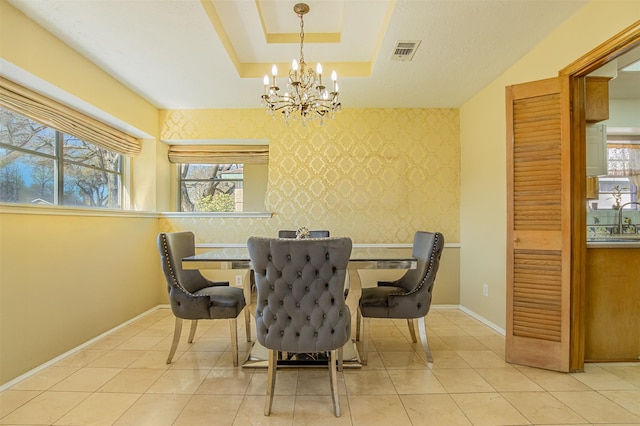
362, 257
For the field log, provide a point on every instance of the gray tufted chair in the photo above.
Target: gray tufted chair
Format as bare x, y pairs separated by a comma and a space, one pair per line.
409, 297
283, 233
191, 295
300, 304
290, 234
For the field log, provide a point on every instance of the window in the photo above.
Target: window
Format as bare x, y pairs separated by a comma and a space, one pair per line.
221, 177
621, 185
211, 187
616, 191
40, 165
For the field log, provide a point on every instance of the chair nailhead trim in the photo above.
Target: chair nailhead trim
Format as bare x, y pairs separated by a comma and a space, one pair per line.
174, 279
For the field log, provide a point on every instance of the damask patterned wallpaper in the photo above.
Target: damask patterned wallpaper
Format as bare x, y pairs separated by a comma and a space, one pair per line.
375, 175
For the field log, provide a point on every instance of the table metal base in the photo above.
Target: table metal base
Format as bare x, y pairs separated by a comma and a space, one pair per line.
259, 356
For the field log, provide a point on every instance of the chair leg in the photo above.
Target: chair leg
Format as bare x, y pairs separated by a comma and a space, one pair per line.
271, 381
192, 332
425, 342
358, 320
364, 356
341, 358
233, 326
333, 379
248, 288
247, 323
411, 322
177, 330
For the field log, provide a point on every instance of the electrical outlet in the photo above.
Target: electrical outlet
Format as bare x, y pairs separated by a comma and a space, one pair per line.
238, 280
485, 289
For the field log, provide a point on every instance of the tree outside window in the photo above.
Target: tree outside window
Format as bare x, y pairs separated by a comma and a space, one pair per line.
39, 165
211, 187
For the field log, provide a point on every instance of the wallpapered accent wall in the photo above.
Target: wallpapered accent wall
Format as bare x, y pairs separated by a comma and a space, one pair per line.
376, 175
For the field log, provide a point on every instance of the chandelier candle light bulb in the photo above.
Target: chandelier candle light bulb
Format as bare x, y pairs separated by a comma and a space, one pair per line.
319, 72
306, 96
294, 67
274, 73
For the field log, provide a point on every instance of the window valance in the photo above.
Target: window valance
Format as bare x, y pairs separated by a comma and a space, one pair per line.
219, 154
39, 108
623, 159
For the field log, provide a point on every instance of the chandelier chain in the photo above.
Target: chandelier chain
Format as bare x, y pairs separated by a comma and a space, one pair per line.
301, 38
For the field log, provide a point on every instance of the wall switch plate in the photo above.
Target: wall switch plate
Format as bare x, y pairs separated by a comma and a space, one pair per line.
485, 289
238, 280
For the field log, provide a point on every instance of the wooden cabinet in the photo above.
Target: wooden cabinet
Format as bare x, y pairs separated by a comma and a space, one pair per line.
593, 188
596, 139
597, 99
612, 309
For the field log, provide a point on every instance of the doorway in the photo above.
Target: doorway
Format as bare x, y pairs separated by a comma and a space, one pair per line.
624, 42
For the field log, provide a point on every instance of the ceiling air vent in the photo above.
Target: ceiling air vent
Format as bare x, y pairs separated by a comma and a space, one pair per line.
405, 50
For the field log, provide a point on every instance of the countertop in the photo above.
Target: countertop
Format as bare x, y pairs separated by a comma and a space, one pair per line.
617, 241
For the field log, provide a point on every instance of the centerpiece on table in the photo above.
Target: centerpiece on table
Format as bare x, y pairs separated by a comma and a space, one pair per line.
302, 233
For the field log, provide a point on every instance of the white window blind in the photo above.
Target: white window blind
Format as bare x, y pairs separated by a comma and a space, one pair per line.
219, 154
39, 108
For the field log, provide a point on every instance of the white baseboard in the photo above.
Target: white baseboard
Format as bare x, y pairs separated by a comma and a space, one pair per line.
483, 320
76, 349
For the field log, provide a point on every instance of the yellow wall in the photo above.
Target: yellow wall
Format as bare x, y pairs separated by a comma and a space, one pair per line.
66, 277
255, 178
483, 150
163, 179
376, 175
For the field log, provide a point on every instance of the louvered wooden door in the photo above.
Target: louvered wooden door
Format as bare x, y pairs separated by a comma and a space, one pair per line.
539, 233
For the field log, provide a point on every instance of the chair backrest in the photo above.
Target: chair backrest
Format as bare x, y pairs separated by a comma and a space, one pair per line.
427, 249
173, 247
284, 233
300, 303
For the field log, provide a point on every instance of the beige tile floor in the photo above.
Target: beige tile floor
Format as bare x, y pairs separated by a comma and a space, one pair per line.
123, 380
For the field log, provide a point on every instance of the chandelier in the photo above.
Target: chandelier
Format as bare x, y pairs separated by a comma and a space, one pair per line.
305, 94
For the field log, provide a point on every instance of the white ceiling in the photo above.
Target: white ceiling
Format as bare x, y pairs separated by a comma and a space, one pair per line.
213, 53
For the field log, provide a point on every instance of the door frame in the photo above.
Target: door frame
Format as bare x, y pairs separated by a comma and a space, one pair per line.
621, 43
